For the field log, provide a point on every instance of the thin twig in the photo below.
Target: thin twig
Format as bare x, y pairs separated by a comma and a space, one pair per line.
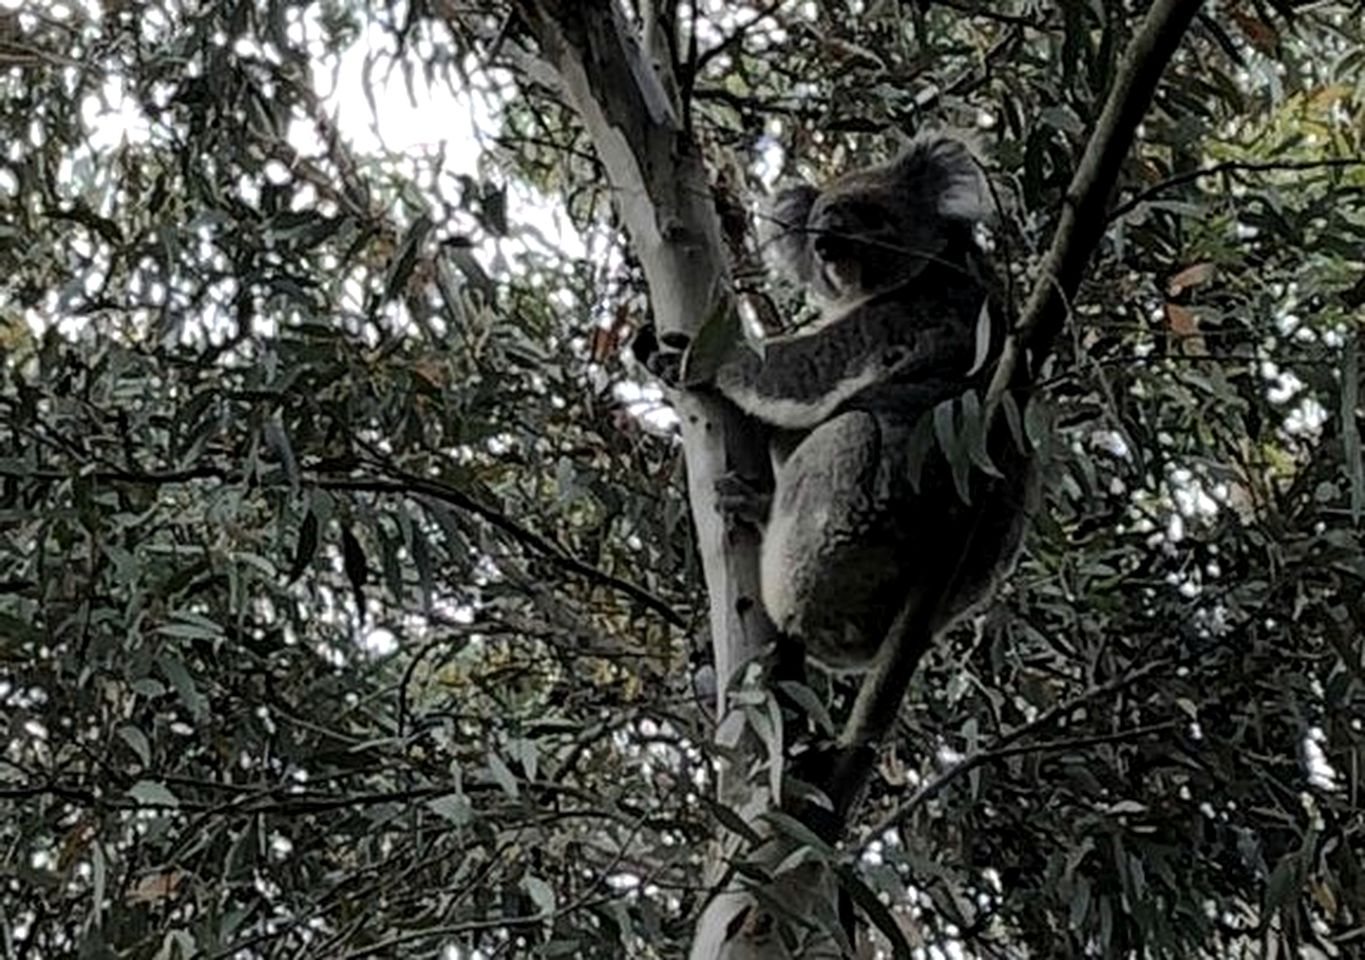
1082, 220
1231, 166
735, 36
398, 483
1004, 745
409, 485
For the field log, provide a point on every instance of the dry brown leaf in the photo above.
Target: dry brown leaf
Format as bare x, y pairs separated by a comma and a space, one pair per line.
1260, 34
1194, 275
1184, 323
156, 887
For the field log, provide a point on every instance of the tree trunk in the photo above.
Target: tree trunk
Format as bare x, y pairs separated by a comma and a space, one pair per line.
624, 95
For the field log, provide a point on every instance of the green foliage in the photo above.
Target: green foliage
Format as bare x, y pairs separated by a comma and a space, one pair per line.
339, 590
328, 577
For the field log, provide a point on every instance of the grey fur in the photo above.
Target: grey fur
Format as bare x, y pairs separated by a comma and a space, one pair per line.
889, 250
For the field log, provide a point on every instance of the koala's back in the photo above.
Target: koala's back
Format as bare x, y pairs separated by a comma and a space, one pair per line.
852, 538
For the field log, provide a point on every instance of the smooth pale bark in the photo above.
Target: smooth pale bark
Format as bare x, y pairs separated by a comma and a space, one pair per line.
625, 99
663, 194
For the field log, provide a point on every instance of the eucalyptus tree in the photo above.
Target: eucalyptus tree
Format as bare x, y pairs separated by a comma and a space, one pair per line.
353, 602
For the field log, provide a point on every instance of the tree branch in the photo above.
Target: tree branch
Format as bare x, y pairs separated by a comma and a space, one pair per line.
1078, 231
591, 57
1082, 221
735, 37
410, 485
1230, 166
400, 483
663, 193
1005, 745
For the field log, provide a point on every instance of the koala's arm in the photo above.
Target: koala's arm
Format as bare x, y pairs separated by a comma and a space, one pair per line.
801, 380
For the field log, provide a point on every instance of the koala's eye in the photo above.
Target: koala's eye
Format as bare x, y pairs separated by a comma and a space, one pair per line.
874, 215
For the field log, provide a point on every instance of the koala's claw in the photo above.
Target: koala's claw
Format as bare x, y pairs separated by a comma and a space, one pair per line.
739, 499
661, 355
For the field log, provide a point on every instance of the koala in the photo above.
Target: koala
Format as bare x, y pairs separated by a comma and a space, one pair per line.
854, 528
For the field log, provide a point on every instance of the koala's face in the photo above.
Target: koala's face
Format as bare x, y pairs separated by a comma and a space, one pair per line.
873, 229
866, 232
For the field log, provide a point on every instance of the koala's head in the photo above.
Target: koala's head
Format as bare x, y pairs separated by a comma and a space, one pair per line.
873, 229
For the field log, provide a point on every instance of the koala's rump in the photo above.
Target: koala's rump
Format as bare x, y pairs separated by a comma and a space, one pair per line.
849, 536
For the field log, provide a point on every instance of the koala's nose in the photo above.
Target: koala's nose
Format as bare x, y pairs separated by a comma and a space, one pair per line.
829, 244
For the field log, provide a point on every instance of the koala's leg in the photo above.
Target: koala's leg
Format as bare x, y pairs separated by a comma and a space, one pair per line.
829, 567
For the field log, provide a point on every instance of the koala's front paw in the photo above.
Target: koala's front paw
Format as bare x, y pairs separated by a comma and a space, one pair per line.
661, 356
740, 500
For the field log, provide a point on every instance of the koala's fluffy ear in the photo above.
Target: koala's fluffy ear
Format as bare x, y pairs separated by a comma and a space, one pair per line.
782, 231
939, 165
